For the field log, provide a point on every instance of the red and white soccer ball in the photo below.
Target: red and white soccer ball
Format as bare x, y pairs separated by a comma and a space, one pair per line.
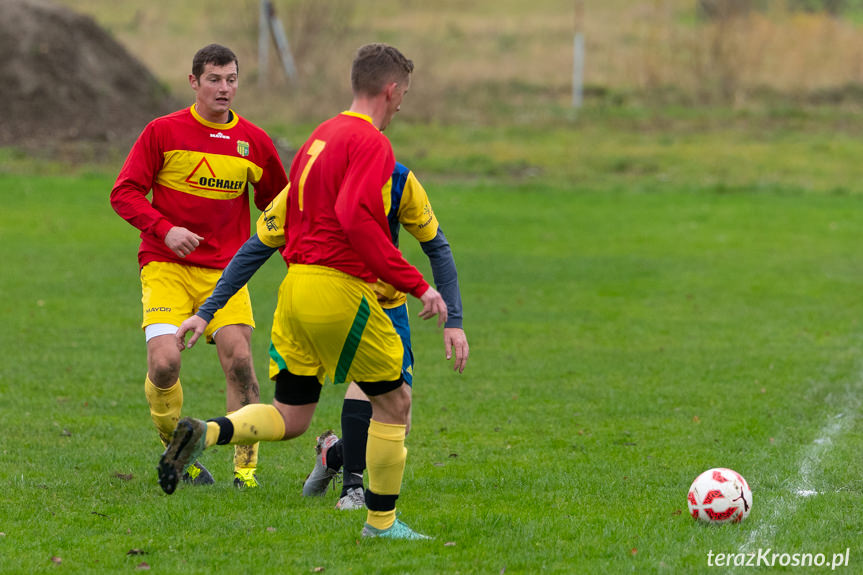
720, 496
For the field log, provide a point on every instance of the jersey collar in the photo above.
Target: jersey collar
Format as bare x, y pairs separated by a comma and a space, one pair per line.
214, 125
358, 115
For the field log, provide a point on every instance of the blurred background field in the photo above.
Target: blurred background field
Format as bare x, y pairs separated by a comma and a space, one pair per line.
491, 61
664, 280
711, 93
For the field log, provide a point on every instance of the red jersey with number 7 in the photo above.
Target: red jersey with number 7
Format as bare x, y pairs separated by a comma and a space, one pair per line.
337, 212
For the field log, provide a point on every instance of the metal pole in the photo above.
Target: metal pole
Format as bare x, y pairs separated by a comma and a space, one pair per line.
282, 45
263, 43
578, 57
578, 71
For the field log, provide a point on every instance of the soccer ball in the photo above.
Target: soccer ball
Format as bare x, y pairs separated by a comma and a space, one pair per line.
720, 496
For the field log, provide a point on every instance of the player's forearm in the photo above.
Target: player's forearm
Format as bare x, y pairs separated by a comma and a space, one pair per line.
445, 276
134, 182
248, 259
131, 204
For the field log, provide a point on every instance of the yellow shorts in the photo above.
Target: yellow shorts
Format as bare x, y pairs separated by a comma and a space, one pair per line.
172, 292
329, 324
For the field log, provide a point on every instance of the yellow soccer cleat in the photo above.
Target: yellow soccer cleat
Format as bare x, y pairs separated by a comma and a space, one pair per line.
197, 474
245, 477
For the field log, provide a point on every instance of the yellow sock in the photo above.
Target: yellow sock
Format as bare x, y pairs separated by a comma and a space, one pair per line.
255, 422
245, 456
165, 406
385, 460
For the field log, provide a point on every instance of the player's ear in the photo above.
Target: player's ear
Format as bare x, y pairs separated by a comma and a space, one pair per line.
390, 89
193, 82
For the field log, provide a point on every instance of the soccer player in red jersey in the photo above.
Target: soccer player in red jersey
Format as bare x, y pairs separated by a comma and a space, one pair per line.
328, 323
411, 210
198, 162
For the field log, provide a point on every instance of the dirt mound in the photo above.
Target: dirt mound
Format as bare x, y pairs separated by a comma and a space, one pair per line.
65, 79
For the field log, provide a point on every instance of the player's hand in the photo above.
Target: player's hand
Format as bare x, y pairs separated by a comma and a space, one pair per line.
195, 324
454, 340
433, 305
182, 241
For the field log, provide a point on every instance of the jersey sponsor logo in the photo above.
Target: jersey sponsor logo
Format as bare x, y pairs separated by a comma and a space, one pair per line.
208, 175
425, 223
427, 212
220, 136
204, 178
271, 223
242, 148
158, 308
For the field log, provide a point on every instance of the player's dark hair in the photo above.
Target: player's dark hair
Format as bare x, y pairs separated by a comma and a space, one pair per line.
215, 54
375, 66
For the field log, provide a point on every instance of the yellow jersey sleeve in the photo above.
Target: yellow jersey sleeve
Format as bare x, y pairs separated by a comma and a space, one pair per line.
415, 211
271, 222
415, 215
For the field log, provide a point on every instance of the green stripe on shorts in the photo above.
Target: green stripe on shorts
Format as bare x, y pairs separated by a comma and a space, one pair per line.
349, 350
280, 361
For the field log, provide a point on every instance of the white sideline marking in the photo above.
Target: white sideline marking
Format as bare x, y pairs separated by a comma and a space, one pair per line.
810, 462
806, 492
814, 454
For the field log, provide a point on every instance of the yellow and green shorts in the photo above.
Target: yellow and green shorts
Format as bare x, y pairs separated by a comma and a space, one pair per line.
329, 324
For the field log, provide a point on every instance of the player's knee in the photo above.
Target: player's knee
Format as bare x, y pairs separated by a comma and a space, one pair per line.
241, 374
295, 426
394, 404
163, 371
401, 400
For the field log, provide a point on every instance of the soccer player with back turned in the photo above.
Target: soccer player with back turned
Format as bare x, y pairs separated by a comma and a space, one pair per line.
198, 163
411, 210
328, 322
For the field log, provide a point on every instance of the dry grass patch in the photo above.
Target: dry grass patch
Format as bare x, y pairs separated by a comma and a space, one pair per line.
487, 59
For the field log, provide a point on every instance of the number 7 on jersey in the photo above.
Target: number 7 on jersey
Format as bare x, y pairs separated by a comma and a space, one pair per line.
314, 151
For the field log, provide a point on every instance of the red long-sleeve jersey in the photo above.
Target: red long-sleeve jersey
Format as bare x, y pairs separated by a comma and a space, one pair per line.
199, 173
338, 204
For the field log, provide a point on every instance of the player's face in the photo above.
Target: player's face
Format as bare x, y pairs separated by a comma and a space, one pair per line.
396, 94
215, 91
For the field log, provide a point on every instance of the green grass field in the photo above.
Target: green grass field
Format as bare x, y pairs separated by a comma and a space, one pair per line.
642, 304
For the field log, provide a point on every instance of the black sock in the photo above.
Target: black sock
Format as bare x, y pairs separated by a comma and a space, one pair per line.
356, 415
335, 455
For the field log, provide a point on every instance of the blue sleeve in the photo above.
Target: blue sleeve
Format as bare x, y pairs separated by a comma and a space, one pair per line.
248, 259
445, 276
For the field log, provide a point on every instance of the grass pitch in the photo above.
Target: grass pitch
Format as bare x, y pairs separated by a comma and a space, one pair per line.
627, 332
